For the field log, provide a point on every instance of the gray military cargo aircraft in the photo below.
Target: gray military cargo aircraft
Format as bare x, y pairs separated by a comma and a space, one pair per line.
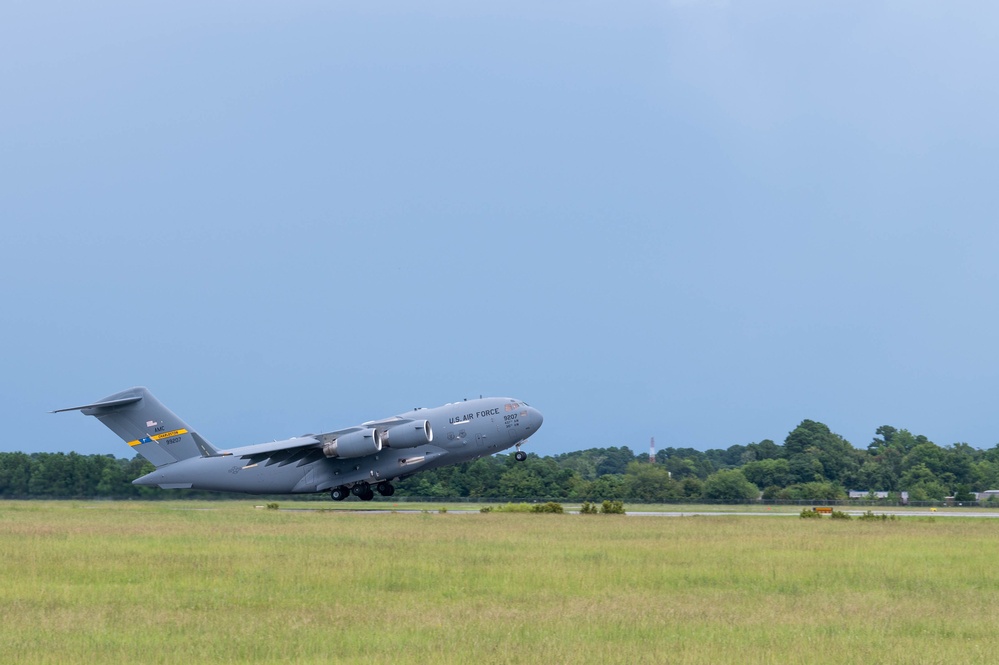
342, 462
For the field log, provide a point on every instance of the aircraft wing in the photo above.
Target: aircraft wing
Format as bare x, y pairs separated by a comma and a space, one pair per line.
375, 424
301, 449
306, 448
293, 443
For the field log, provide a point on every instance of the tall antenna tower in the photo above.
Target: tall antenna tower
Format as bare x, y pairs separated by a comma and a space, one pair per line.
652, 450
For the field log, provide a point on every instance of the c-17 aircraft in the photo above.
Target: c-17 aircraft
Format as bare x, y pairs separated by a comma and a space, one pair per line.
342, 462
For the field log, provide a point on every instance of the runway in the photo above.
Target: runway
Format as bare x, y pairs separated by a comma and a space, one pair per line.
945, 512
851, 513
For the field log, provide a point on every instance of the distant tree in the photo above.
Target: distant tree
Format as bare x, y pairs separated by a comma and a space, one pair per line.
771, 493
927, 491
691, 488
729, 485
425, 485
483, 476
610, 486
113, 481
876, 476
650, 482
136, 468
50, 476
521, 482
922, 484
963, 493
833, 452
886, 432
985, 475
767, 472
615, 460
15, 474
585, 467
682, 467
805, 468
685, 463
925, 454
904, 441
536, 477
817, 491
726, 459
958, 460
765, 449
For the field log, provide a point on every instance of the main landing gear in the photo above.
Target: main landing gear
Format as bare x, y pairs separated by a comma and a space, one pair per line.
362, 491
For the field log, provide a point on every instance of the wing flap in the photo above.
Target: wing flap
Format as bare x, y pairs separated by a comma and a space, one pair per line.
265, 450
387, 422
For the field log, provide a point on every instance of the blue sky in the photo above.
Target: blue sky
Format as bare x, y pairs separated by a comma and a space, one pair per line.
699, 221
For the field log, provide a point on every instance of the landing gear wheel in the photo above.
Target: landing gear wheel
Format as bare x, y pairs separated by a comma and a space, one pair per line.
339, 493
520, 456
385, 488
359, 489
366, 494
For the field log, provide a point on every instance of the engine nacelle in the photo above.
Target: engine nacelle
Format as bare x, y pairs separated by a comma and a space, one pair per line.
355, 444
409, 435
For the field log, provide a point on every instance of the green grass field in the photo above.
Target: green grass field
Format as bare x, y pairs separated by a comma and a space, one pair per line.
224, 582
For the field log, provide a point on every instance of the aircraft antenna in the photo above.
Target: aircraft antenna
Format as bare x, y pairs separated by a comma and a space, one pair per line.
652, 450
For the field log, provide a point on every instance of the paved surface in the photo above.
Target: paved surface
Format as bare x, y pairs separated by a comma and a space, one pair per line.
854, 513
943, 512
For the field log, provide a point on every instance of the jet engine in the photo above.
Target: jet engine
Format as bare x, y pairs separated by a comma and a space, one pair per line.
354, 444
409, 435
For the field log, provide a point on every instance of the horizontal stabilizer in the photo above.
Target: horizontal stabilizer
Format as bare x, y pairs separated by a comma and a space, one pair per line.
102, 405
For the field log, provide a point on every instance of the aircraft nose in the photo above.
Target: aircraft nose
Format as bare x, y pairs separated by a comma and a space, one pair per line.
536, 418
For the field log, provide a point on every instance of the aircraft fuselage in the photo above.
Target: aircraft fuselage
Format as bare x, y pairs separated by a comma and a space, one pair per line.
462, 431
355, 460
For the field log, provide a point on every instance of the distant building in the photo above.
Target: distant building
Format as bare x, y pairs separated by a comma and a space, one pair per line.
858, 494
986, 495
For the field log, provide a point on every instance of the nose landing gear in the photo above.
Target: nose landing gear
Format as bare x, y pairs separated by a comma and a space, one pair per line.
520, 455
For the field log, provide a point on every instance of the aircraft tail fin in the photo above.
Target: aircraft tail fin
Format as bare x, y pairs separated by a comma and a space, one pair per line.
152, 430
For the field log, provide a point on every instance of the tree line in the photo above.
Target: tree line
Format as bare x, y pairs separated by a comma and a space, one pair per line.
813, 463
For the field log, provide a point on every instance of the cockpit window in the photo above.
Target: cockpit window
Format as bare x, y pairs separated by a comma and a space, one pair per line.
512, 406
